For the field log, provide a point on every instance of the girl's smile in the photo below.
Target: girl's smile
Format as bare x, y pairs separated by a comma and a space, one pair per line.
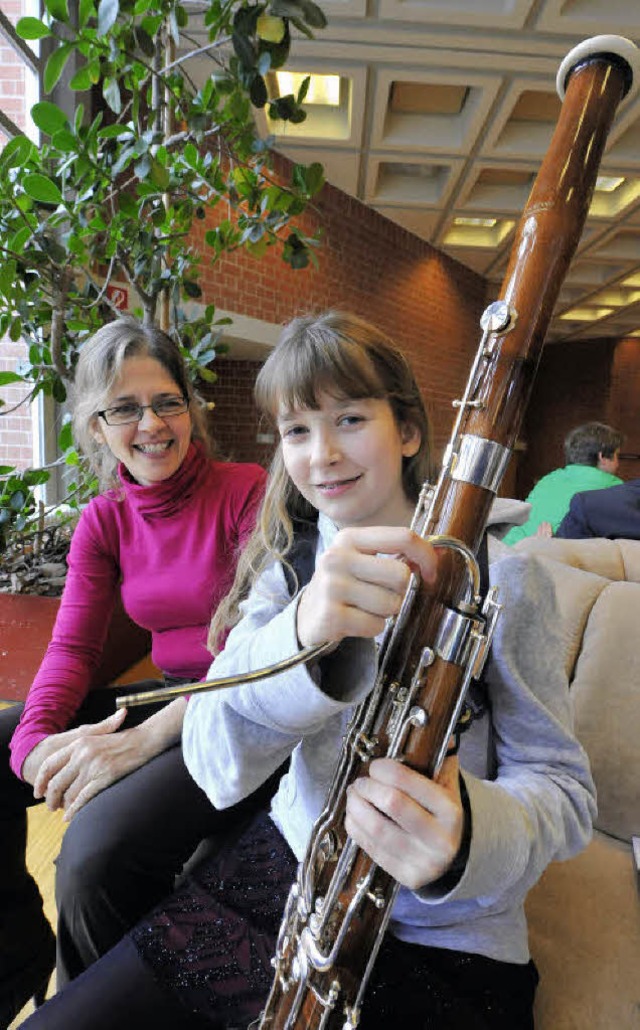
338, 485
345, 458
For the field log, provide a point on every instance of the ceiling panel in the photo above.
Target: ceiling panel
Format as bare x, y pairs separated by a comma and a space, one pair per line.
445, 114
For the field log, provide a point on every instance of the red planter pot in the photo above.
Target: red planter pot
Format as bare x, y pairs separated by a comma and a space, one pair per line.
26, 623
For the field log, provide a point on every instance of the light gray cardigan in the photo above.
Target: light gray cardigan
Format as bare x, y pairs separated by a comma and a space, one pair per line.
538, 806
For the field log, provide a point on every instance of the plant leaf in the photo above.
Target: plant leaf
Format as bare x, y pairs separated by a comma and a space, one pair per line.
65, 437
270, 28
115, 132
17, 242
57, 9
111, 93
9, 377
65, 141
32, 28
159, 175
16, 152
48, 117
86, 9
312, 14
190, 155
17, 500
55, 66
258, 92
108, 11
81, 80
42, 189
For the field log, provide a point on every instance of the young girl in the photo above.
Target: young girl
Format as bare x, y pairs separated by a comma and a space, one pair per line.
466, 849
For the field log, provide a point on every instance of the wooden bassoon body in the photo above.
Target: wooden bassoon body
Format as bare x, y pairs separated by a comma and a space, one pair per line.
340, 905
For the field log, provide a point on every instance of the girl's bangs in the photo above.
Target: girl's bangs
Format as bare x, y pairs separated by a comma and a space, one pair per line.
297, 375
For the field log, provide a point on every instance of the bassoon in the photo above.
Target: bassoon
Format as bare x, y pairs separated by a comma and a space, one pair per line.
339, 907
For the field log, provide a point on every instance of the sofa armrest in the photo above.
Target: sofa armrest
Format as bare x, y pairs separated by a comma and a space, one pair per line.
606, 701
584, 932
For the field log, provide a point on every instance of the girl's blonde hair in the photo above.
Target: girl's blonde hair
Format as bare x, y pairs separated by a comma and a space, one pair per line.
339, 354
99, 365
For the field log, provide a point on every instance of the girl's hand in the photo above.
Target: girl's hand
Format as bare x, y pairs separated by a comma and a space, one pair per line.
354, 589
409, 825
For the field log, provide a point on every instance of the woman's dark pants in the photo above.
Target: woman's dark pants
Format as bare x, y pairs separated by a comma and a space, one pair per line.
120, 854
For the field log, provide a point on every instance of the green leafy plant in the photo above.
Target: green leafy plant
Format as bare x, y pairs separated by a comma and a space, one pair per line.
115, 188
17, 503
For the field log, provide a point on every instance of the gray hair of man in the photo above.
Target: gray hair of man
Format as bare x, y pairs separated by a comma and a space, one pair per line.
585, 444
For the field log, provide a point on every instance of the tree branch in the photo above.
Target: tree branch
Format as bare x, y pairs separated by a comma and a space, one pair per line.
57, 323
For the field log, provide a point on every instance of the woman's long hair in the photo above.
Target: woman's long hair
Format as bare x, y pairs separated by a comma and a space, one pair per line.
342, 355
99, 365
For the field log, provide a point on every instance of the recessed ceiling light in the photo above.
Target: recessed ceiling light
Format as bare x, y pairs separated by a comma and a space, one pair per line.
586, 314
323, 89
608, 183
484, 223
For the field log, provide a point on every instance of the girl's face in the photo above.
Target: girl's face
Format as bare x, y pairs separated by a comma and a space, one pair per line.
153, 448
346, 459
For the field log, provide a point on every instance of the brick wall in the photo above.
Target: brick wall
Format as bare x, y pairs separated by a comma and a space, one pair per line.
16, 441
429, 304
591, 380
624, 402
12, 71
235, 423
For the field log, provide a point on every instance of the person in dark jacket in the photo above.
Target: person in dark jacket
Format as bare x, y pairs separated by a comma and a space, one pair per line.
610, 513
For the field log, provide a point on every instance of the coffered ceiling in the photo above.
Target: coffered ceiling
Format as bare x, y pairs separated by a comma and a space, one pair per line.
442, 115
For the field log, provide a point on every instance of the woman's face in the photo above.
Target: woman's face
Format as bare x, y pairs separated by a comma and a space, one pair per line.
346, 459
153, 448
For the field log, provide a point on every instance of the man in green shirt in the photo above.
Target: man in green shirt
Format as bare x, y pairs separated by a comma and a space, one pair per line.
592, 454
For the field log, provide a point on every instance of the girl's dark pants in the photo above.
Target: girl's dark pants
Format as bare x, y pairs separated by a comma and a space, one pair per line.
201, 960
120, 854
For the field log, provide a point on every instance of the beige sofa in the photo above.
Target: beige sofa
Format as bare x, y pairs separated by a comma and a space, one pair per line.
584, 915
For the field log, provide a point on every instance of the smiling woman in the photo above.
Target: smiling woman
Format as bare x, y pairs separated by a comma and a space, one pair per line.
146, 423
132, 390
165, 535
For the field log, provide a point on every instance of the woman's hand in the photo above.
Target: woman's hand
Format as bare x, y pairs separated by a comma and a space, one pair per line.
409, 825
80, 763
45, 750
356, 586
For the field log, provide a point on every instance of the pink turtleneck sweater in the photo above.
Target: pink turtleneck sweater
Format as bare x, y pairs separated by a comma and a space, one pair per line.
172, 549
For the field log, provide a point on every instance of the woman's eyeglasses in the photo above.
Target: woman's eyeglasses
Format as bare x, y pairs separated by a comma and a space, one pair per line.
163, 407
